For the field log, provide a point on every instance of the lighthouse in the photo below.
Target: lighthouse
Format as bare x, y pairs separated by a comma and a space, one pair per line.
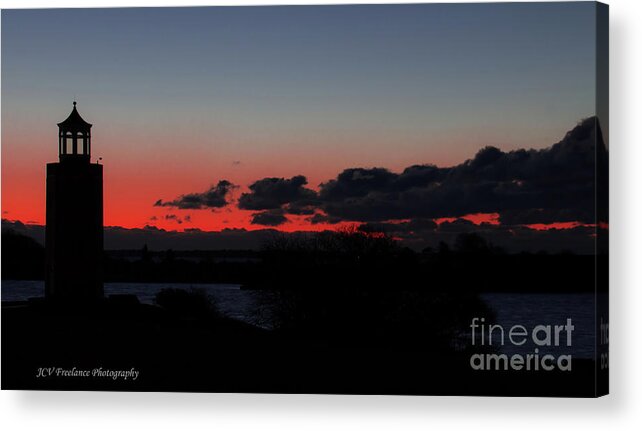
74, 231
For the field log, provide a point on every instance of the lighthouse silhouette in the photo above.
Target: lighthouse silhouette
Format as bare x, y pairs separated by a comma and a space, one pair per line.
74, 232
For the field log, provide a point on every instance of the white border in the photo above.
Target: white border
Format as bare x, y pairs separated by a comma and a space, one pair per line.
621, 410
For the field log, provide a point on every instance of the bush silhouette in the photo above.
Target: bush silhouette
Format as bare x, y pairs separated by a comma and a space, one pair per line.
23, 257
360, 287
188, 303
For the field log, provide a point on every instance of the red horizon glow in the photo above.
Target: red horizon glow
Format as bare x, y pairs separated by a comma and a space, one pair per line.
135, 180
240, 219
559, 225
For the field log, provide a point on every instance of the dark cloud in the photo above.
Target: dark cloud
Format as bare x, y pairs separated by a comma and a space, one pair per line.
215, 197
544, 216
269, 218
419, 176
303, 207
176, 218
357, 183
557, 180
173, 217
319, 218
274, 193
460, 225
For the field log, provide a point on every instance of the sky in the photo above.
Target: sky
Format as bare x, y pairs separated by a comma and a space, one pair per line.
182, 98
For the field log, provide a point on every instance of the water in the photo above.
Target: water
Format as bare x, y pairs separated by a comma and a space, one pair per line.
229, 298
532, 309
511, 309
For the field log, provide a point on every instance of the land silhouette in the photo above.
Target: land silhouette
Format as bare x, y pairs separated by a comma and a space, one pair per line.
286, 260
352, 312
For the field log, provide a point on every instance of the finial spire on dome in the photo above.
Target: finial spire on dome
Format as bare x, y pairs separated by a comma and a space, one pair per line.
74, 122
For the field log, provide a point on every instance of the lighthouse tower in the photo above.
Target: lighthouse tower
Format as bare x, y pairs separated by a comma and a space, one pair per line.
74, 233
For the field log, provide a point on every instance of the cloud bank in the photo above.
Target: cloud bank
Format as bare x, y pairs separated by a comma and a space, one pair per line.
523, 187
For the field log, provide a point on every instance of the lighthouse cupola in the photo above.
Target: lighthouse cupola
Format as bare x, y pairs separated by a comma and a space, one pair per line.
74, 138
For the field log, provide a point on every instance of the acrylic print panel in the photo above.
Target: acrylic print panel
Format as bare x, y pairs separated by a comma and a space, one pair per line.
361, 199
